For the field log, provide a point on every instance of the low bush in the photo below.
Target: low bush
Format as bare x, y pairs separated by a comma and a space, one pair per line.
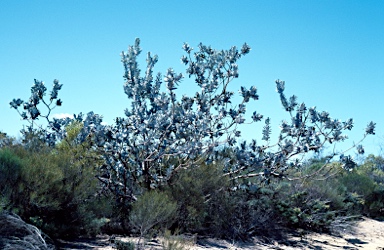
153, 210
176, 242
367, 183
11, 167
298, 210
124, 245
197, 190
53, 188
207, 206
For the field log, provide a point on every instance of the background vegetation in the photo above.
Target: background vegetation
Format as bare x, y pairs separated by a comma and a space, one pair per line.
57, 190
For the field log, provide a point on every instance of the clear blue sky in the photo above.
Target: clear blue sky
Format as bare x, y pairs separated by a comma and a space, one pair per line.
330, 53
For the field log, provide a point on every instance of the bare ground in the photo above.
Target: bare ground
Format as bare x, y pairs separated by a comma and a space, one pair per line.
365, 234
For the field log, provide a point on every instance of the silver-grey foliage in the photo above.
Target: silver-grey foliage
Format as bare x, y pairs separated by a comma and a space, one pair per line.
162, 133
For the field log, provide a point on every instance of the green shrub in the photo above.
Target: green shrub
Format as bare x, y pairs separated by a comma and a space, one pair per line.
123, 245
358, 183
299, 210
237, 216
195, 190
312, 202
176, 242
366, 183
52, 187
375, 204
11, 167
152, 210
207, 205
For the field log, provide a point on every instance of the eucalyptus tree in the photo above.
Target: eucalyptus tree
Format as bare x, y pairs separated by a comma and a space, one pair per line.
162, 132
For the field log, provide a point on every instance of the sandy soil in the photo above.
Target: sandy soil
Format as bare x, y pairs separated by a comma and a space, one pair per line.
365, 234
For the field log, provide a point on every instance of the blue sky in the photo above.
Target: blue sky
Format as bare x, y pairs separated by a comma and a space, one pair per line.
330, 53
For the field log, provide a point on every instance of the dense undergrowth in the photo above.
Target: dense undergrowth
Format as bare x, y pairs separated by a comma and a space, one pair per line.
56, 189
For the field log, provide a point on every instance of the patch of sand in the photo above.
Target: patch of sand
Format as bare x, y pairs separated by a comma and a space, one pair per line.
365, 234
